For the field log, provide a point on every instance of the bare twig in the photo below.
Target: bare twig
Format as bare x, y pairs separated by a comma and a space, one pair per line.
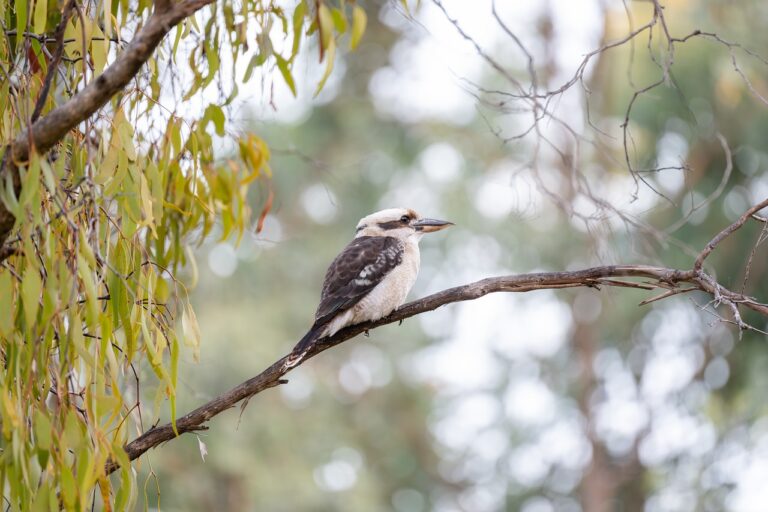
727, 232
715, 193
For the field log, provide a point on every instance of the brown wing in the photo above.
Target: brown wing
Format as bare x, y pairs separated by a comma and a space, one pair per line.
355, 272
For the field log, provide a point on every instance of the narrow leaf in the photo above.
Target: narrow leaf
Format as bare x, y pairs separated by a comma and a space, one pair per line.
328, 67
41, 15
359, 21
325, 24
282, 65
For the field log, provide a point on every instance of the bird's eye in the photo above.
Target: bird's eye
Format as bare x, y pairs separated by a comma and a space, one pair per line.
405, 219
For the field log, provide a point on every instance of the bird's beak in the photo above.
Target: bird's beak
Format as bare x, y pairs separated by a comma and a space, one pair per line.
430, 225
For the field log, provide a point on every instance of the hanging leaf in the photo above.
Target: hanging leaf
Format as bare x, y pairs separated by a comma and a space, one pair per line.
31, 287
339, 20
191, 330
282, 65
41, 16
298, 24
331, 55
359, 21
325, 26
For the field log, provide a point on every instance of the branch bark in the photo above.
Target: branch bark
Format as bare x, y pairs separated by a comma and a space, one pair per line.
655, 277
45, 132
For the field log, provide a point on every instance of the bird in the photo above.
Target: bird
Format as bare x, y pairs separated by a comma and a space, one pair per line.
371, 276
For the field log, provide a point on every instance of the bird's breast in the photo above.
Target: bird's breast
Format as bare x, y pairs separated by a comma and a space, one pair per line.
392, 291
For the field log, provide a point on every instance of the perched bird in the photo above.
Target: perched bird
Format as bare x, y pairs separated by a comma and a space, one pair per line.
372, 276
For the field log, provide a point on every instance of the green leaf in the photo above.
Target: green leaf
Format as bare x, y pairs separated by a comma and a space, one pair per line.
42, 498
125, 134
282, 65
180, 29
48, 179
85, 467
42, 430
359, 21
41, 16
21, 16
255, 61
216, 114
122, 497
68, 488
339, 21
7, 304
298, 23
8, 195
72, 435
118, 452
31, 286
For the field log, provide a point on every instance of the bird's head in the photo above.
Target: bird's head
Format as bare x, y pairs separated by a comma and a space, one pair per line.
401, 223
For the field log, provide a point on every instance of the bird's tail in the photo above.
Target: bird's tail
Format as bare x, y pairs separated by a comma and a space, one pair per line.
302, 347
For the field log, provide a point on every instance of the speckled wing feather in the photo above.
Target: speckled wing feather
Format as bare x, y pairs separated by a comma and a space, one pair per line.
355, 272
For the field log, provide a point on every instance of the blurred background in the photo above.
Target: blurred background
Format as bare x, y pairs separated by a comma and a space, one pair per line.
544, 401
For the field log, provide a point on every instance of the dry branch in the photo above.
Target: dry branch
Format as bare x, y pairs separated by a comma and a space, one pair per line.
727, 232
654, 277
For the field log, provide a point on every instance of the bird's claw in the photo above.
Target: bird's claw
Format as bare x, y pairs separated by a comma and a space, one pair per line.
400, 322
367, 333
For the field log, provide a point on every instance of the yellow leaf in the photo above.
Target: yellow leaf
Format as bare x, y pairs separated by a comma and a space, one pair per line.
78, 341
359, 21
325, 24
339, 21
99, 49
329, 58
30, 292
41, 15
192, 261
146, 204
7, 304
191, 330
10, 414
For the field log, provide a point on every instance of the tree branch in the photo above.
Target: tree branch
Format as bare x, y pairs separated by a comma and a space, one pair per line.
727, 232
50, 129
655, 277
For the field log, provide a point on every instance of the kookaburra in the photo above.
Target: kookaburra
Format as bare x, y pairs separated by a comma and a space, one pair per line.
371, 277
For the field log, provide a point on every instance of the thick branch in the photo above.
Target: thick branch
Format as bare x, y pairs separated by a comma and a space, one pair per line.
50, 129
657, 277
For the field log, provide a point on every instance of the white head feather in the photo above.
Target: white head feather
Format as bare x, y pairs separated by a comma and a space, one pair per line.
401, 223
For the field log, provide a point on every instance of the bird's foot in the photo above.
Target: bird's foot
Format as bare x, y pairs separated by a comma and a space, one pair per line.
400, 322
367, 333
